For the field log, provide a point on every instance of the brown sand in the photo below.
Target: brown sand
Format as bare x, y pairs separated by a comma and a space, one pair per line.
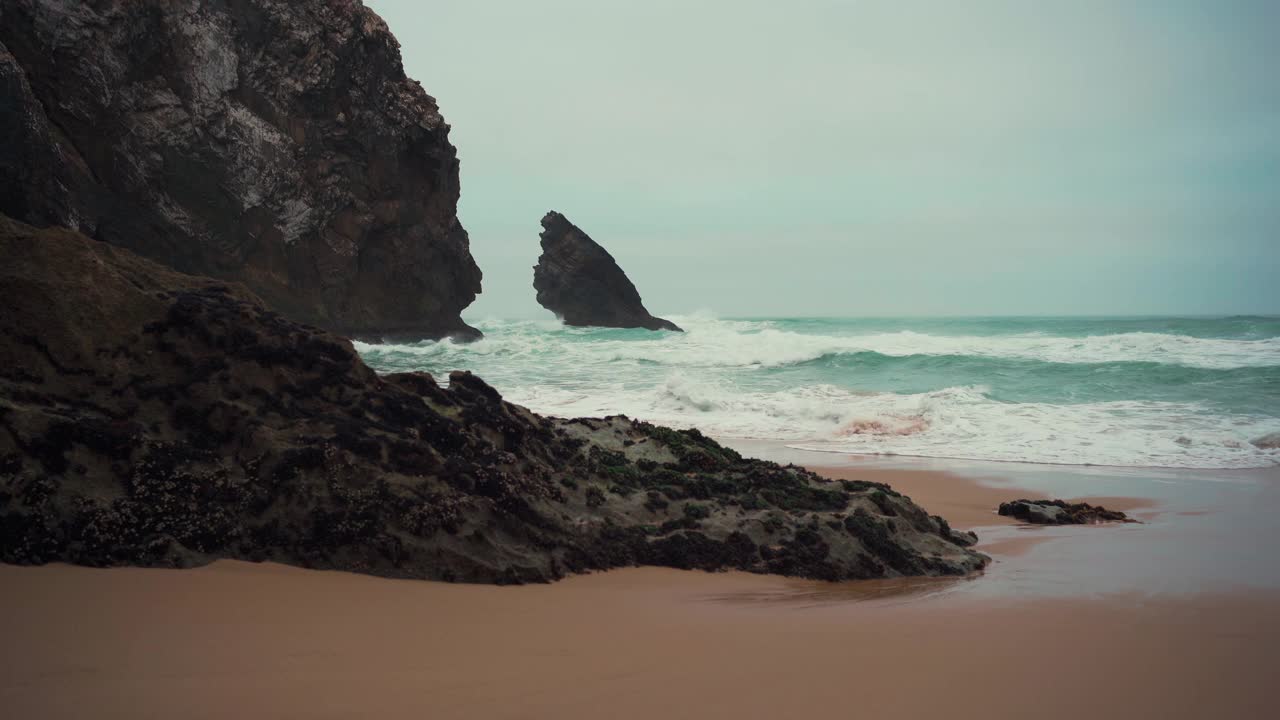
245, 641
240, 640
963, 501
969, 503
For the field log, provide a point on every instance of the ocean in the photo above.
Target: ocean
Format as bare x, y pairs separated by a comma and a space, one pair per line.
1129, 392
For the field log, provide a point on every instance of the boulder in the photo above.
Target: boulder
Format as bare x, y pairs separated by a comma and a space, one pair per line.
1060, 512
581, 283
148, 417
276, 143
1270, 441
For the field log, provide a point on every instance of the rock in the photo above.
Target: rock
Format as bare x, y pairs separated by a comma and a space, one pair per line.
581, 283
1060, 512
276, 143
1270, 441
149, 417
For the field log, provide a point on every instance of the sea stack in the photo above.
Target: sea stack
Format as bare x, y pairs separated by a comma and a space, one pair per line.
277, 143
582, 284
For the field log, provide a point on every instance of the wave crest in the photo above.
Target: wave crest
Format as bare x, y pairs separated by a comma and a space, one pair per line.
1129, 399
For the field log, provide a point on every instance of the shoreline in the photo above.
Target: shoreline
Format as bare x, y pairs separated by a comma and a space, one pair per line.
970, 504
1200, 531
965, 502
1059, 609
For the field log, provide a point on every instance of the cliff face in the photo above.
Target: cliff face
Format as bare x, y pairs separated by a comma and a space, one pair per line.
581, 283
153, 418
273, 142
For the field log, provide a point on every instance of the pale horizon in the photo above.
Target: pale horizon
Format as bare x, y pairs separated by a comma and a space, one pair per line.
870, 159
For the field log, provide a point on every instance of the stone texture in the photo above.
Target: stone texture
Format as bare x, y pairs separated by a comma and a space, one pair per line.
1060, 512
271, 142
149, 417
1267, 442
581, 283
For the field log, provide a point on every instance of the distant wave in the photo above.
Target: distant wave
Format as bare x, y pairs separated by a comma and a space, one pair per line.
1071, 392
746, 344
868, 360
768, 347
1099, 349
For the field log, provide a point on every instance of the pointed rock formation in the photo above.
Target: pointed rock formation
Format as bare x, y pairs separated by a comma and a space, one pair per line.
581, 283
276, 143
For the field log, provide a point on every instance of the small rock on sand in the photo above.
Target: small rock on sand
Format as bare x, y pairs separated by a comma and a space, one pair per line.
1060, 512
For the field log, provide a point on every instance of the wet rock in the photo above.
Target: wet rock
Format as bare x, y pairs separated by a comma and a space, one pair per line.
966, 538
581, 283
1267, 442
275, 143
1060, 512
149, 417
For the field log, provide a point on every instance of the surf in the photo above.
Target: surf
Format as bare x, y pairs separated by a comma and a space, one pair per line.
1128, 392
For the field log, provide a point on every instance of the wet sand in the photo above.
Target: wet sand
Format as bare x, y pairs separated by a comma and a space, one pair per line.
970, 504
239, 640
964, 501
1090, 623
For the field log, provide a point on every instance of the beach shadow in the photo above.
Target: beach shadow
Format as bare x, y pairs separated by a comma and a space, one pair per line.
815, 593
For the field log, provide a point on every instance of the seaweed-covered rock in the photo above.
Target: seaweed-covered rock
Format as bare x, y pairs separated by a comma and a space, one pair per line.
153, 418
581, 283
276, 143
1060, 512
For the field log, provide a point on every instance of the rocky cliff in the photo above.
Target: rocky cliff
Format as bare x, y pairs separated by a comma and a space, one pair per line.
149, 417
581, 283
273, 142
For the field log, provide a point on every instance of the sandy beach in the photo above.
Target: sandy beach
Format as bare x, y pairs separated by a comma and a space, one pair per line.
613, 361
1036, 634
237, 640
965, 503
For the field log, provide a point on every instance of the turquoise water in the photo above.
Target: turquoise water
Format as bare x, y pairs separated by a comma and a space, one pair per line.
1170, 392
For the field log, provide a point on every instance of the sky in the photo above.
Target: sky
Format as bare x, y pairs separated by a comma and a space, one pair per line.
869, 157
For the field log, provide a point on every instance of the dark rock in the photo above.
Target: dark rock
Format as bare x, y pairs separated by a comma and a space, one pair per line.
153, 418
581, 283
1060, 512
276, 143
1267, 442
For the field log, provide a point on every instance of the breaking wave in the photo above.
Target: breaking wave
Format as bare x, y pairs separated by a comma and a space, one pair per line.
1018, 390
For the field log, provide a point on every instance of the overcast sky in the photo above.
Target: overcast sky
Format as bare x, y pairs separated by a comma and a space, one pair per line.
869, 157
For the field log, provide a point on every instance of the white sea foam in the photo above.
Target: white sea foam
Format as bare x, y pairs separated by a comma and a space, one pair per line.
719, 343
958, 422
722, 377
